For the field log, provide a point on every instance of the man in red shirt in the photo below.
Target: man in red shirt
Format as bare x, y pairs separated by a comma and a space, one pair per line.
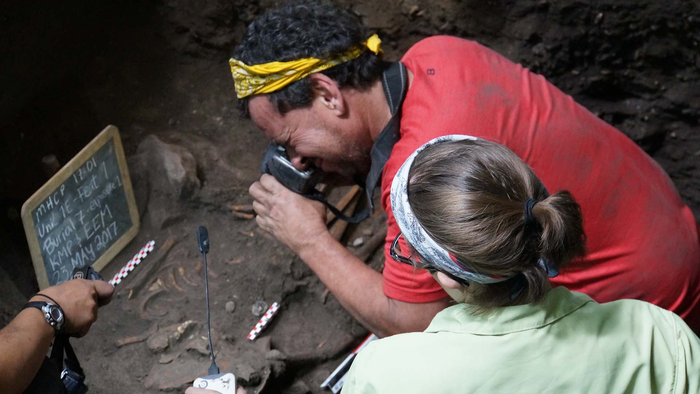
308, 79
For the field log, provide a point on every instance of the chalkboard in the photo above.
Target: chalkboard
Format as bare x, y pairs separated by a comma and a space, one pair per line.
85, 214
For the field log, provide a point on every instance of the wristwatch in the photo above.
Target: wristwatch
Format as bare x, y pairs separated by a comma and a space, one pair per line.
52, 313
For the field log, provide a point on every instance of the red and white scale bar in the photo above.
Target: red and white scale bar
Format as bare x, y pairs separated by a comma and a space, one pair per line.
132, 263
264, 321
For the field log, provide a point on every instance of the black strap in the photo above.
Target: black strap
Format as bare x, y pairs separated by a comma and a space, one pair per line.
47, 380
35, 304
318, 196
61, 346
50, 378
49, 298
39, 305
395, 84
58, 349
71, 359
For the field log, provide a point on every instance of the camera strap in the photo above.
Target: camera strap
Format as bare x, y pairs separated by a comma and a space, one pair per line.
53, 377
72, 375
395, 84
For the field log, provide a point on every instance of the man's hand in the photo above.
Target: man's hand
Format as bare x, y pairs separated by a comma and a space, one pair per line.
79, 299
291, 218
25, 341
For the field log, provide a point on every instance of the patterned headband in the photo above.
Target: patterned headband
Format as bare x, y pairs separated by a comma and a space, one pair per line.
273, 76
415, 234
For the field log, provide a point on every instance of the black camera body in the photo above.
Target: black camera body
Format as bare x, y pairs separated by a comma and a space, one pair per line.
277, 164
74, 382
86, 272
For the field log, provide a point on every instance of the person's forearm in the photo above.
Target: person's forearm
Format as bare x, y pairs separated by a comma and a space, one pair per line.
24, 343
358, 288
300, 223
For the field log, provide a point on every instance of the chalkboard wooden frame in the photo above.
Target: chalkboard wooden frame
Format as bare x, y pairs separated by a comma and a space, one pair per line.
109, 133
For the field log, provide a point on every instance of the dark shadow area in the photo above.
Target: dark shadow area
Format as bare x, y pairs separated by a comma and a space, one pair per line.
51, 52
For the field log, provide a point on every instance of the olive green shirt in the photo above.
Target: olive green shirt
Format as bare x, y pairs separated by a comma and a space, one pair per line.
567, 344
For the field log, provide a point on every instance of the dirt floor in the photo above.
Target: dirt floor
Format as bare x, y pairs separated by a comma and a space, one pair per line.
159, 72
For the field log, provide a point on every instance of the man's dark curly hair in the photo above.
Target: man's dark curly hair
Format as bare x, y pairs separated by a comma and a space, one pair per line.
308, 29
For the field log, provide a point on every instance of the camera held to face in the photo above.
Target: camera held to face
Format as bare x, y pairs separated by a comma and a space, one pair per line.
277, 164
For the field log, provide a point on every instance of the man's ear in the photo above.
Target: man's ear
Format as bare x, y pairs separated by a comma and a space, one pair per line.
447, 281
328, 93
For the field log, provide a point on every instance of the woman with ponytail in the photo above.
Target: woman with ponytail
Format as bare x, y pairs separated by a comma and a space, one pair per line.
478, 218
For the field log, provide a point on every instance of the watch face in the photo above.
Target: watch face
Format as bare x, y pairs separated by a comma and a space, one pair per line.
56, 314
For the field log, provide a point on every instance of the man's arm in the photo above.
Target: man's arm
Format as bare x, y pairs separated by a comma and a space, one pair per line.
359, 289
23, 344
25, 341
300, 224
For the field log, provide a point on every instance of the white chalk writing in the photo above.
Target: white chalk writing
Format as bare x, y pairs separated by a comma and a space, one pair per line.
83, 217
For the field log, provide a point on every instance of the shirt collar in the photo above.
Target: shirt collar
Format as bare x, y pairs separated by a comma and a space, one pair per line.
558, 303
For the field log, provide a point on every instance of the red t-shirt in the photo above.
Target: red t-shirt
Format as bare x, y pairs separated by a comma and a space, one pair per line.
642, 240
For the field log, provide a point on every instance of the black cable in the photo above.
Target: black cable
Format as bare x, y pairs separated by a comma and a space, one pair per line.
213, 368
54, 301
357, 218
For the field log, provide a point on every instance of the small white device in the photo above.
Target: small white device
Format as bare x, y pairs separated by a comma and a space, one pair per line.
225, 383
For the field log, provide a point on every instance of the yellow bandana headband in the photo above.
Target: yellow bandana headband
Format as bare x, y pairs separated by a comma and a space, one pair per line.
270, 77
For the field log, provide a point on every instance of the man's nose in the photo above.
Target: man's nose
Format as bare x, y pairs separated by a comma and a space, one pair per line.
299, 162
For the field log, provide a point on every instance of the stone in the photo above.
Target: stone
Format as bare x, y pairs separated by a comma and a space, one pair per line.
139, 182
163, 174
247, 375
598, 18
181, 169
275, 354
172, 168
259, 307
230, 306
157, 342
358, 242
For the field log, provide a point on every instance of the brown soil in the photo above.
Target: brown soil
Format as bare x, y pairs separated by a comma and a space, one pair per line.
162, 69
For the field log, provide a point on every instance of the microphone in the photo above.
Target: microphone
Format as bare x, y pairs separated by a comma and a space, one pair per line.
224, 383
203, 240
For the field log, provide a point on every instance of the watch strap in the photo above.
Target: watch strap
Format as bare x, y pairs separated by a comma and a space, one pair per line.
49, 298
35, 304
40, 306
